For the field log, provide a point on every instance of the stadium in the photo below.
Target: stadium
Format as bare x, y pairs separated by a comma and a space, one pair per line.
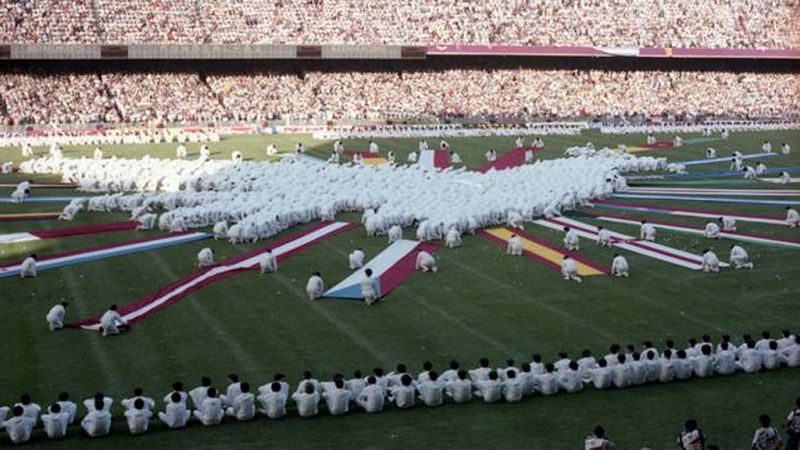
547, 224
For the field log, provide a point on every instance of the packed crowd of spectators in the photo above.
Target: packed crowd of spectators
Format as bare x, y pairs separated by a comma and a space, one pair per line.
163, 97
156, 98
67, 21
646, 23
63, 98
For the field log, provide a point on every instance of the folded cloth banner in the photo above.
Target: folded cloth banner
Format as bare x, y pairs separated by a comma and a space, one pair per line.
753, 238
710, 191
725, 159
739, 201
40, 200
542, 252
29, 216
363, 154
176, 291
441, 159
711, 182
103, 252
512, 158
651, 249
434, 159
778, 180
68, 231
687, 212
390, 268
716, 173
14, 238
660, 145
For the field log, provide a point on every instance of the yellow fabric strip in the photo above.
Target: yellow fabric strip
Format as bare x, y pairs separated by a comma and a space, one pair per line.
554, 256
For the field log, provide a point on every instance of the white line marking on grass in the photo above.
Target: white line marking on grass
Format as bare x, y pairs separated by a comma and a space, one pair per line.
497, 345
240, 355
345, 329
526, 295
98, 352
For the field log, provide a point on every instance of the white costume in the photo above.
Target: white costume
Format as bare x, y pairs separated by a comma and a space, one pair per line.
792, 218
453, 238
739, 258
369, 290
138, 420
28, 268
175, 415
55, 424
395, 233
711, 231
55, 317
569, 270
571, 240
210, 412
371, 399
21, 192
147, 222
647, 232
19, 428
221, 230
514, 220
338, 400
110, 322
426, 262
490, 390
243, 408
273, 404
604, 238
710, 262
268, 263
315, 287
205, 258
459, 390
514, 246
356, 259
619, 266
97, 423
728, 224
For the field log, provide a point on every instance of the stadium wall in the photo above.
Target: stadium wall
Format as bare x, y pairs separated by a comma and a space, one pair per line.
383, 52
434, 62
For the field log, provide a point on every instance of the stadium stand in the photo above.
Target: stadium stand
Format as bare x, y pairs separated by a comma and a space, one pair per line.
324, 95
645, 23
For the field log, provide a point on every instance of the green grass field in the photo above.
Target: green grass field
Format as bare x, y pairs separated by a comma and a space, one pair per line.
480, 303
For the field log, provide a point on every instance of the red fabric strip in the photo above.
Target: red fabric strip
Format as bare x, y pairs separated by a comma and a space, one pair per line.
86, 229
403, 268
